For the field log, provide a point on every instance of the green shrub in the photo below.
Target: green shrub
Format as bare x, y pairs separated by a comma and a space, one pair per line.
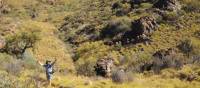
17, 44
86, 69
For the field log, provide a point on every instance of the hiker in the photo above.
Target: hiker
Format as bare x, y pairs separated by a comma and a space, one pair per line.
49, 69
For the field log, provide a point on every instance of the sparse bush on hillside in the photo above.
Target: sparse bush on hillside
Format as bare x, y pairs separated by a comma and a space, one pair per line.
161, 60
116, 29
120, 76
121, 8
167, 62
170, 16
167, 59
191, 5
195, 60
86, 69
6, 82
14, 68
186, 47
29, 61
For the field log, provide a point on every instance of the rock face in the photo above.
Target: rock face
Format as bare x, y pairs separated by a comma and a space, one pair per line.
141, 29
104, 67
145, 25
171, 5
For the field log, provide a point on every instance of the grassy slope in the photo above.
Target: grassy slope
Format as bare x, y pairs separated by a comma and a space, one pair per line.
51, 17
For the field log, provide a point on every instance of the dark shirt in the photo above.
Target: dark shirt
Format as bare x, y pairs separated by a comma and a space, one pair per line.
48, 68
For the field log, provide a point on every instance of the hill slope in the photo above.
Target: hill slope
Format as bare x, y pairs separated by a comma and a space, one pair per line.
151, 46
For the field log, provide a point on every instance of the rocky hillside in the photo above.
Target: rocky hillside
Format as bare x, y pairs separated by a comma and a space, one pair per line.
100, 43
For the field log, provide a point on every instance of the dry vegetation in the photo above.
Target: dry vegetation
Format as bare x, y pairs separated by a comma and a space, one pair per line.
79, 32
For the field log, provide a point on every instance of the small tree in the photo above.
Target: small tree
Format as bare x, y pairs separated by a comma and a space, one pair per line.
18, 43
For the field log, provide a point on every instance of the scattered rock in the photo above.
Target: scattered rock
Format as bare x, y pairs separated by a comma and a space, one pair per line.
171, 5
104, 67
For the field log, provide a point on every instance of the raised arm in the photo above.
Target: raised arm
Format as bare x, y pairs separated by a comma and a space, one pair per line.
54, 62
40, 63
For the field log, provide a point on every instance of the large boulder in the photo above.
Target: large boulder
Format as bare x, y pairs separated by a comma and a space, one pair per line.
104, 67
171, 5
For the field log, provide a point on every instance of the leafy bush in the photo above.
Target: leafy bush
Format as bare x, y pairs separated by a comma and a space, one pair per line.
18, 43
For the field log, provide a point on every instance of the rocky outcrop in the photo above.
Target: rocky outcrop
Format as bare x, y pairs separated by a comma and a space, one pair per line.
171, 5
141, 29
145, 25
104, 67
